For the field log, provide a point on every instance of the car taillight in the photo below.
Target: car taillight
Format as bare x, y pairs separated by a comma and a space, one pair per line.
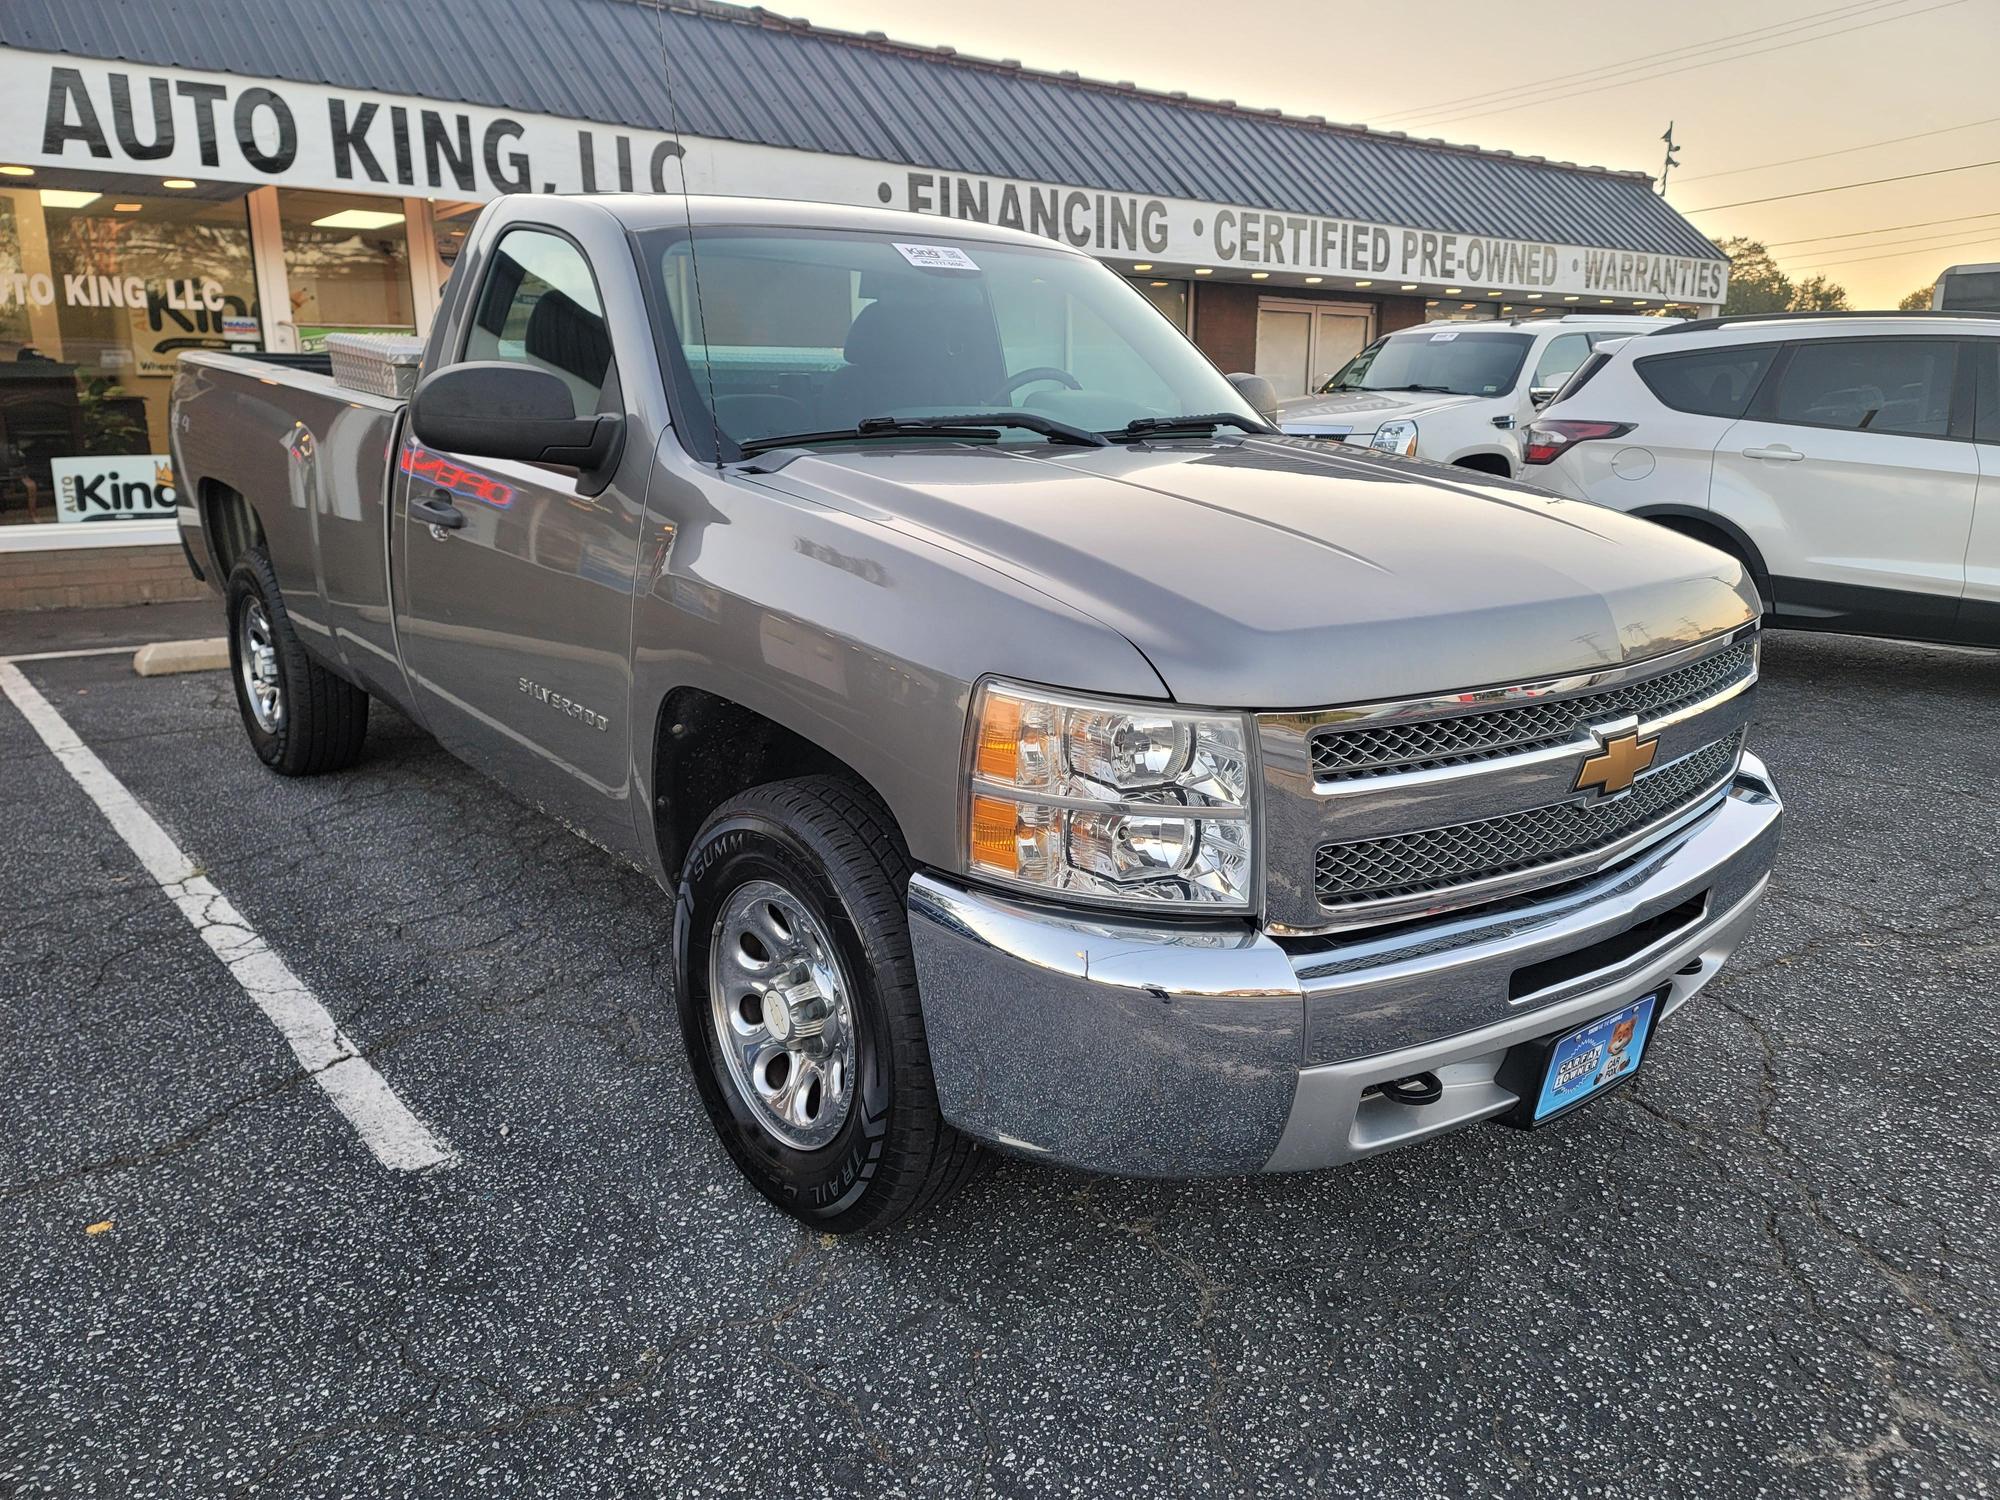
1548, 441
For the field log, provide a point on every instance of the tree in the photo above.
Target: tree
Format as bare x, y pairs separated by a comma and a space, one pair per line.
1757, 285
1919, 300
1817, 294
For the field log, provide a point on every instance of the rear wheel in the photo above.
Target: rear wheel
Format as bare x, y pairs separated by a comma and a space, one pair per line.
302, 719
798, 1003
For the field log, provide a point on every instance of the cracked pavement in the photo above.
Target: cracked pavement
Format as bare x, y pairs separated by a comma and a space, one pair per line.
1767, 1268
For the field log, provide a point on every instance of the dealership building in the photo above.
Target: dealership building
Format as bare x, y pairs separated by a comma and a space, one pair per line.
258, 173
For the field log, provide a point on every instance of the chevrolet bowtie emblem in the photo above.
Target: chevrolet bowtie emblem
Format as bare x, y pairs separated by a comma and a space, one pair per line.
1617, 765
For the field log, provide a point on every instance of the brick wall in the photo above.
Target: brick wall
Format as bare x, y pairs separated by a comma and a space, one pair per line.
1394, 313
95, 576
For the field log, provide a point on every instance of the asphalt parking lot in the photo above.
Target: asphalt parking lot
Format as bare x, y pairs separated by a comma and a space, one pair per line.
1768, 1268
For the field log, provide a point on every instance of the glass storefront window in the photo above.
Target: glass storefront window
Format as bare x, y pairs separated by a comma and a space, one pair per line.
1170, 297
100, 292
347, 258
450, 223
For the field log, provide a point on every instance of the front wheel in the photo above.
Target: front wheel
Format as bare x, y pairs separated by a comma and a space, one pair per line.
798, 1003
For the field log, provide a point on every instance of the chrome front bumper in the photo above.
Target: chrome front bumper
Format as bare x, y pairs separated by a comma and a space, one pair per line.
1163, 1051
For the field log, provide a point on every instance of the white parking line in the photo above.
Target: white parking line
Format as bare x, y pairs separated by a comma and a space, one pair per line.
386, 1125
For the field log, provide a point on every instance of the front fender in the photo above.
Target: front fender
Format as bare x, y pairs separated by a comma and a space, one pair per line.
864, 641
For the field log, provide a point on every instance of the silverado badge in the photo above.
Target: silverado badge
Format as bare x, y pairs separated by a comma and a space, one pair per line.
1618, 764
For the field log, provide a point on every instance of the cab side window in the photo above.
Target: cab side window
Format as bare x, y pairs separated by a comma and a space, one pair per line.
540, 307
1559, 361
1898, 386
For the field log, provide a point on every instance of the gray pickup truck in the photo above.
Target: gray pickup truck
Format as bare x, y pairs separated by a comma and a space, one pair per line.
1041, 751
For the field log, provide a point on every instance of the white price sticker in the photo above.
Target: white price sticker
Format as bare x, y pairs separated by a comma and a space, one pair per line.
936, 257
1446, 336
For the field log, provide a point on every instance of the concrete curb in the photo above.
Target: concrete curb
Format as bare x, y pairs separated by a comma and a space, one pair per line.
163, 657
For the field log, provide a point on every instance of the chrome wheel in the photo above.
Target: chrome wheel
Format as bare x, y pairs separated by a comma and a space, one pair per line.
783, 1012
257, 665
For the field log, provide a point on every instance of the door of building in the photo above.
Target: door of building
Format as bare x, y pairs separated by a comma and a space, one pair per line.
1300, 343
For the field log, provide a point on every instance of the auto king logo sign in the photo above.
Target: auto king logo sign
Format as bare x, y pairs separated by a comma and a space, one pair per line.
130, 487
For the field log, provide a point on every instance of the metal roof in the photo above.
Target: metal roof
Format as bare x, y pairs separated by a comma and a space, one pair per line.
749, 75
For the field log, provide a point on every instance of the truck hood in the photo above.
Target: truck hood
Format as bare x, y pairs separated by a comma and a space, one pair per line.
1273, 573
1364, 411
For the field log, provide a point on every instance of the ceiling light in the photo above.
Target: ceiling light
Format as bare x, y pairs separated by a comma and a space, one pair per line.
128, 208
1534, 296
67, 198
1605, 300
358, 218
178, 183
17, 171
1144, 265
1159, 283
1451, 291
1409, 286
1260, 275
1638, 304
1430, 304
1572, 297
1316, 280
1492, 294
1204, 270
1364, 283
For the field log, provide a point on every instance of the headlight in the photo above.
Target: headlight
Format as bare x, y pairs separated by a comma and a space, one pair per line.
1396, 437
1128, 803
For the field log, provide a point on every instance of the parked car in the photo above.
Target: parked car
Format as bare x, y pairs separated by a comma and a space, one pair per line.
1039, 749
1850, 461
1454, 393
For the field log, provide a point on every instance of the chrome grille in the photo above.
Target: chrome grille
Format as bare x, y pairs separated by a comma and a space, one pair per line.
1443, 858
1379, 749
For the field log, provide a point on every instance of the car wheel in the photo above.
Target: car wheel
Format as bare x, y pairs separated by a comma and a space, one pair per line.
302, 719
798, 1002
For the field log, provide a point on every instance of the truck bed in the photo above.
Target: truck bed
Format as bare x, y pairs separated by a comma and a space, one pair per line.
316, 459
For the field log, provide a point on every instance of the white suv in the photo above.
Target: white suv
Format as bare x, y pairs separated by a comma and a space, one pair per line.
1850, 461
1454, 393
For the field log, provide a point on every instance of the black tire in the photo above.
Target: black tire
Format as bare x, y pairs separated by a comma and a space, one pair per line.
323, 718
829, 846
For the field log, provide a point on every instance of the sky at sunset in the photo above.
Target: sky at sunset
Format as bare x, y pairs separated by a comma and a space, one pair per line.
1745, 85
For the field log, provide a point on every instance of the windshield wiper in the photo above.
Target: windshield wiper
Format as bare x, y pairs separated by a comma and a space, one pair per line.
1436, 390
963, 424
1202, 422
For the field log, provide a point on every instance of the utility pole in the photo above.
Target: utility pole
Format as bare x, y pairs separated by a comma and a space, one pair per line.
1673, 158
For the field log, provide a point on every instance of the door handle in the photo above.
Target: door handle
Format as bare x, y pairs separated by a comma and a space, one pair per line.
1779, 452
434, 510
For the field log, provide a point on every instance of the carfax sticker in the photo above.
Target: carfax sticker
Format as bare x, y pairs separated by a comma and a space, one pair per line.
936, 257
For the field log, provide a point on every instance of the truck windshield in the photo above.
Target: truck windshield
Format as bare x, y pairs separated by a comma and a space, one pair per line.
815, 334
1452, 359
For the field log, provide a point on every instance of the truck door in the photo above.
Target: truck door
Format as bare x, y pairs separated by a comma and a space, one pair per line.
516, 617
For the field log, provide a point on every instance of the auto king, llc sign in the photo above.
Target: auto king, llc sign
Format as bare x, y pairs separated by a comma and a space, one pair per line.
118, 117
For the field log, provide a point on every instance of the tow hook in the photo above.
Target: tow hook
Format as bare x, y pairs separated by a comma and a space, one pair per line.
1418, 1088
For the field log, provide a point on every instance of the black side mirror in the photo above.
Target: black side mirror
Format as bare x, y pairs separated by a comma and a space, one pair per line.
497, 409
1260, 393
